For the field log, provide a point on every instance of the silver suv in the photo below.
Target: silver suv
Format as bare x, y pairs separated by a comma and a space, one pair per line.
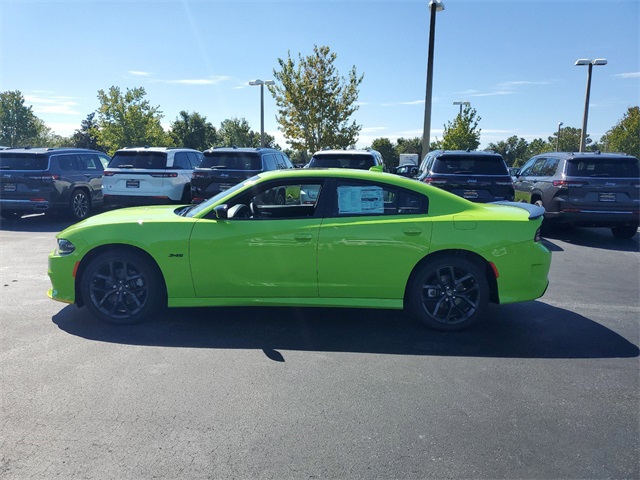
150, 175
584, 189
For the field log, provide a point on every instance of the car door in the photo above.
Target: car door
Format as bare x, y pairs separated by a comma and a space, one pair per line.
371, 239
270, 255
527, 181
92, 170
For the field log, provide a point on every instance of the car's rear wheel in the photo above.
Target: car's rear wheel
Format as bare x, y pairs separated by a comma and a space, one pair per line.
624, 231
122, 287
449, 293
79, 205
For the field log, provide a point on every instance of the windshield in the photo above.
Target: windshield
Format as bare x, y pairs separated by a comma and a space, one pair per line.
470, 165
340, 160
231, 161
12, 161
604, 167
148, 160
216, 198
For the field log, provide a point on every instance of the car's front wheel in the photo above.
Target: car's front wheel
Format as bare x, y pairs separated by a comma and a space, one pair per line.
624, 231
449, 293
80, 205
122, 287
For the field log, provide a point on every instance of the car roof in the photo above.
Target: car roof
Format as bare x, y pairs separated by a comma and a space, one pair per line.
466, 153
46, 150
344, 152
570, 155
154, 149
243, 149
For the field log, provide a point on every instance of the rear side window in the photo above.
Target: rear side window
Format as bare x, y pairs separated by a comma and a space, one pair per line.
270, 162
11, 161
181, 160
145, 160
599, 167
68, 163
337, 160
470, 165
231, 161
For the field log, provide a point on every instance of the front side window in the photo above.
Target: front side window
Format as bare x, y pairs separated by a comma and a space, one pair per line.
90, 162
533, 167
181, 161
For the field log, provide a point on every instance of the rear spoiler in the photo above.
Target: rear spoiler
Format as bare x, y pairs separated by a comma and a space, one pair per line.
534, 210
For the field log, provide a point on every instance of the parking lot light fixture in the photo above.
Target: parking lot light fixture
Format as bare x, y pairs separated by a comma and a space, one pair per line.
434, 7
558, 136
261, 83
589, 63
466, 104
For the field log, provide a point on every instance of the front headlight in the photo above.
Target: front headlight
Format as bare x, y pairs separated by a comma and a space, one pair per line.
65, 247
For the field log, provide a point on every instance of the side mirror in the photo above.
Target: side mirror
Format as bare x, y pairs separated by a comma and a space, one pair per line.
377, 168
221, 211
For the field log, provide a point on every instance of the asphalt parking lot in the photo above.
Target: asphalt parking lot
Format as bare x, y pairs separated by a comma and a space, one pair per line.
545, 389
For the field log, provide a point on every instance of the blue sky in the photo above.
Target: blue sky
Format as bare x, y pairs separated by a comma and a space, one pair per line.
512, 59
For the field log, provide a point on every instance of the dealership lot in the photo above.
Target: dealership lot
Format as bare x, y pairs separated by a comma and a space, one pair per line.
543, 389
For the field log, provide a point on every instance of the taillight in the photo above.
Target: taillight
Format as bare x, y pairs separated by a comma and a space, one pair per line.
568, 183
537, 237
108, 174
435, 181
164, 175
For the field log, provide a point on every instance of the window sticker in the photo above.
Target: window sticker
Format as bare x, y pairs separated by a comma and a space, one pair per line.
360, 200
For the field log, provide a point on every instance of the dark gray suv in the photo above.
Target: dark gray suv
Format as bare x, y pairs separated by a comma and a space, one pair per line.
67, 180
584, 189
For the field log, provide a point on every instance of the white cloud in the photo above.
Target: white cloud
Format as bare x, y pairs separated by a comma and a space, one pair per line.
409, 102
52, 105
628, 75
213, 80
138, 73
521, 83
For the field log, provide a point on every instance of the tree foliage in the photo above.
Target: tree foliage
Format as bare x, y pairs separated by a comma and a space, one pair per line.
624, 137
569, 140
315, 103
191, 130
463, 133
128, 120
237, 132
387, 150
87, 135
514, 150
19, 126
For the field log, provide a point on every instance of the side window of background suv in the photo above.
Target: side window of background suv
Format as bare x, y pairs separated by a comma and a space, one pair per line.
181, 160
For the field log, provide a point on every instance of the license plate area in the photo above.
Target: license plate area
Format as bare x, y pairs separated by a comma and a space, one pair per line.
133, 183
607, 197
225, 186
9, 187
470, 194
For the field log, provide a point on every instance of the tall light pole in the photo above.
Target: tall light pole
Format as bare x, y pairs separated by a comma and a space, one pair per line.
466, 104
590, 63
434, 6
558, 137
262, 83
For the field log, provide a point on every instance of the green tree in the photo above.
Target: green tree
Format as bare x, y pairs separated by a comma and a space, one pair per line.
18, 124
315, 103
514, 150
569, 140
536, 147
387, 150
192, 130
237, 132
127, 120
463, 133
410, 145
625, 136
87, 135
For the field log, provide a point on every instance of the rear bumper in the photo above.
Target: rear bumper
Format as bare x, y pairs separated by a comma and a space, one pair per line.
135, 200
595, 218
24, 205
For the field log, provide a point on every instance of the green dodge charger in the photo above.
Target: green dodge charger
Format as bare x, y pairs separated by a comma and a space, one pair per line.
340, 238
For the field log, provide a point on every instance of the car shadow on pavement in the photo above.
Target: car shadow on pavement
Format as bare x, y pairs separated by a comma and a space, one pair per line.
592, 237
38, 222
529, 330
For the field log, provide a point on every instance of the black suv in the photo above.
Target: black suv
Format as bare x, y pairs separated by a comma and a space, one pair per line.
584, 189
65, 180
475, 175
224, 167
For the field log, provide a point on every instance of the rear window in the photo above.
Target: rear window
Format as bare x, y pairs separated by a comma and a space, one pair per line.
231, 161
11, 161
470, 165
337, 160
146, 160
603, 167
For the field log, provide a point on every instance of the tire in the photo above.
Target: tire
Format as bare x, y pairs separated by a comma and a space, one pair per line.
624, 231
122, 287
79, 205
10, 214
186, 196
449, 293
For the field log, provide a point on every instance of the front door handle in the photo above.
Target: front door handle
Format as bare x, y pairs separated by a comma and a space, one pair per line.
412, 232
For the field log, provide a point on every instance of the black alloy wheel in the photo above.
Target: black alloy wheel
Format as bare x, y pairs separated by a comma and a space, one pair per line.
80, 205
451, 293
122, 287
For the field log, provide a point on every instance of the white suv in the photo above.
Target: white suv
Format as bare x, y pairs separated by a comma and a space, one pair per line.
150, 175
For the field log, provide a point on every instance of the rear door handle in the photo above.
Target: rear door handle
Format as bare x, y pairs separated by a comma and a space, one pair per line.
303, 237
412, 232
